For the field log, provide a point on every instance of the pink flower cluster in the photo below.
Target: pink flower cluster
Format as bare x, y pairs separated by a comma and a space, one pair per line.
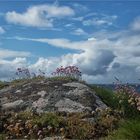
69, 71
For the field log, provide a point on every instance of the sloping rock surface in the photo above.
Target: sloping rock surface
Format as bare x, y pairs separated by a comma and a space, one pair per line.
50, 95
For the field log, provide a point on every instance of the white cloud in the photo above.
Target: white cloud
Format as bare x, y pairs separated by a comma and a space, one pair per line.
98, 21
79, 31
78, 18
4, 53
2, 31
80, 7
39, 16
69, 25
61, 43
136, 24
91, 39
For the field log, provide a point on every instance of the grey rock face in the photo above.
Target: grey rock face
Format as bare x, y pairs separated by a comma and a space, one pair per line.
40, 104
13, 105
42, 93
76, 85
68, 105
50, 96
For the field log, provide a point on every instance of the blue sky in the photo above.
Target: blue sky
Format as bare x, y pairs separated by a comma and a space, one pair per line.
100, 37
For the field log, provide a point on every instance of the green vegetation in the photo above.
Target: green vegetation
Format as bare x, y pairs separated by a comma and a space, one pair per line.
62, 78
3, 84
69, 125
128, 129
2, 136
18, 82
48, 118
107, 96
129, 125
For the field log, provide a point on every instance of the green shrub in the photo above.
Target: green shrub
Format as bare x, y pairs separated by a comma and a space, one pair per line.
129, 130
2, 137
48, 119
107, 96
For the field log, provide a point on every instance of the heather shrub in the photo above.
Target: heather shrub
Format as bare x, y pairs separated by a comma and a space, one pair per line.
50, 119
32, 125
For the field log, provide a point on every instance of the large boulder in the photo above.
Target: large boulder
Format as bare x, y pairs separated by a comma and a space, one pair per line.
49, 96
68, 97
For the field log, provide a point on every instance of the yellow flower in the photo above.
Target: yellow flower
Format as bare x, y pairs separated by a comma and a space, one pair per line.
129, 101
7, 138
108, 109
138, 108
5, 125
107, 116
17, 124
16, 115
98, 109
25, 137
120, 101
62, 129
93, 112
49, 128
132, 103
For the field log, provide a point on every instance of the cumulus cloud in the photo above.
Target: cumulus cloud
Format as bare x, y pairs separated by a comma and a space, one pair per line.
8, 67
39, 16
92, 52
2, 31
100, 58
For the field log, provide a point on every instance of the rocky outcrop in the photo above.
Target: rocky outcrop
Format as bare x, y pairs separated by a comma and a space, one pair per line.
13, 105
49, 96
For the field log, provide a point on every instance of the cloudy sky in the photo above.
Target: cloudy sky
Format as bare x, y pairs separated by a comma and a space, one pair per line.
102, 38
